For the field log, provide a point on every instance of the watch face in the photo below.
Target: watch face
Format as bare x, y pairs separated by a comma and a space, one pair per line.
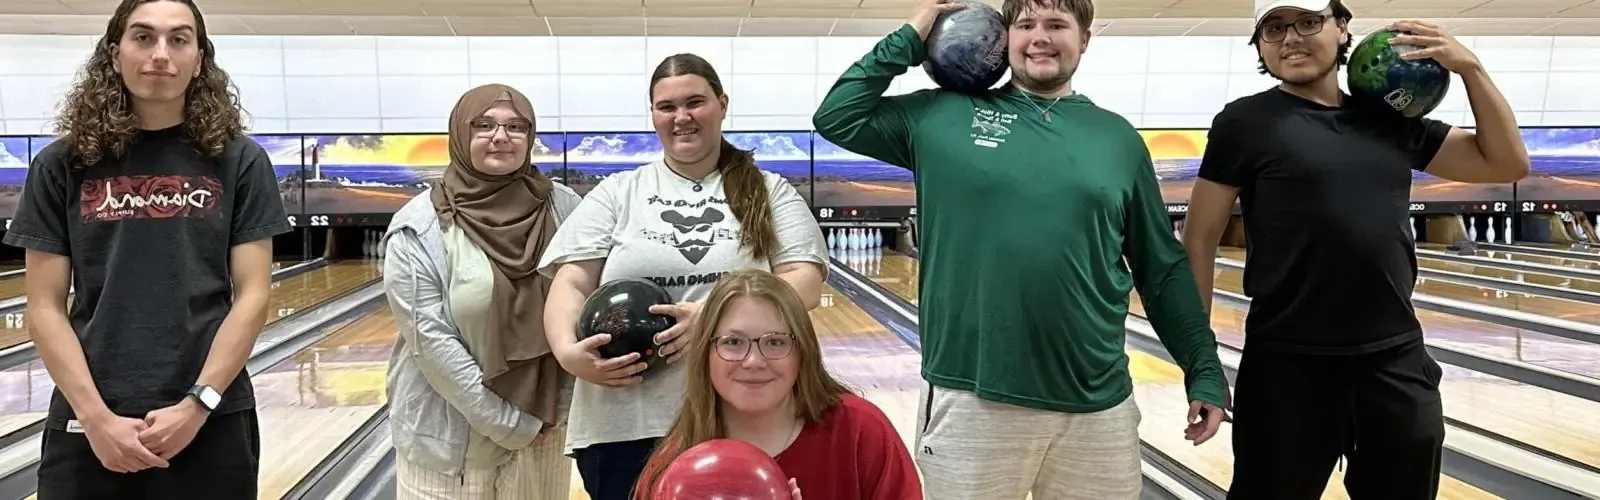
209, 397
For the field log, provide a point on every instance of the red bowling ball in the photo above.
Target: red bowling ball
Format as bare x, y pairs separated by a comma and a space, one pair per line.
723, 469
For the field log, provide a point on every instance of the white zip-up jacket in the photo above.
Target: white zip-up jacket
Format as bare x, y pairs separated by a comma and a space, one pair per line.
435, 387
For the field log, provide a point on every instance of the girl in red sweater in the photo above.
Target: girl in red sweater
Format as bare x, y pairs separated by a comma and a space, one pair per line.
755, 374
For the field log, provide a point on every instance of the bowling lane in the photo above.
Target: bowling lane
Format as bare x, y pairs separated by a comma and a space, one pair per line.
1570, 310
893, 270
288, 295
15, 286
864, 355
25, 389
1540, 417
1158, 390
311, 402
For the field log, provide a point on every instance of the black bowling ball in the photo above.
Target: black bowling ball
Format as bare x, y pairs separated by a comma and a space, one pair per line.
621, 308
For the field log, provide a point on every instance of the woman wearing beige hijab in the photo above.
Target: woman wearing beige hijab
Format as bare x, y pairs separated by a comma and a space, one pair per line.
477, 402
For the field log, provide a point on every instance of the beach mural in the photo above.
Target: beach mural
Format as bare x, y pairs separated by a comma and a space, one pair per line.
14, 156
1176, 155
377, 174
787, 154
1566, 164
842, 178
594, 156
287, 153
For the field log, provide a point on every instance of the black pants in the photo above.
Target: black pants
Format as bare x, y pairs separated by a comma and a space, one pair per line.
222, 463
611, 470
1295, 416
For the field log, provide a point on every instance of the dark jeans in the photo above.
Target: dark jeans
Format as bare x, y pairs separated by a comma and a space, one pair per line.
1296, 415
611, 470
221, 463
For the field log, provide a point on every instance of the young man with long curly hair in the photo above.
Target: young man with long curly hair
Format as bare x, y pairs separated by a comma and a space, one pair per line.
159, 213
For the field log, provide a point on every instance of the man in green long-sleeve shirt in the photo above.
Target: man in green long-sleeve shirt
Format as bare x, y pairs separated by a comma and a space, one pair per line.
1040, 212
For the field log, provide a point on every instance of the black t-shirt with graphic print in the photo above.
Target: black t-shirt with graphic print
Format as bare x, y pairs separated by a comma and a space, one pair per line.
148, 235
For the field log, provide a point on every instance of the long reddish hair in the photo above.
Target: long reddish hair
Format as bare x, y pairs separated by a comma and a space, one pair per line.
700, 417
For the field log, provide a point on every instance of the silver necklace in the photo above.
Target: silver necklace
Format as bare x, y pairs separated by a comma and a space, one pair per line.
1045, 111
696, 187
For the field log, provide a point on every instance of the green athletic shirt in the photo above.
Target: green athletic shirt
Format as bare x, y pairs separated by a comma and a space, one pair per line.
1025, 227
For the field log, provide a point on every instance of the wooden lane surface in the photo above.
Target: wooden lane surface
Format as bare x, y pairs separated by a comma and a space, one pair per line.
1539, 417
864, 355
13, 287
308, 404
1484, 338
288, 296
1571, 310
25, 389
893, 270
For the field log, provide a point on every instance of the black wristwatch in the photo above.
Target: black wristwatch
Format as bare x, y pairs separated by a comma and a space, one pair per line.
208, 397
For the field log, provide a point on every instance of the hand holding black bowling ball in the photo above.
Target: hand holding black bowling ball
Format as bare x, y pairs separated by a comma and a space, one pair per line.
1435, 43
584, 361
672, 340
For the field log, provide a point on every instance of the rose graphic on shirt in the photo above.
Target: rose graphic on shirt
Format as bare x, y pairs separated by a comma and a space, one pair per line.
693, 235
148, 197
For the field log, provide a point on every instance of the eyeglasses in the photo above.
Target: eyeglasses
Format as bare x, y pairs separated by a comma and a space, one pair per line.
1305, 26
486, 128
736, 348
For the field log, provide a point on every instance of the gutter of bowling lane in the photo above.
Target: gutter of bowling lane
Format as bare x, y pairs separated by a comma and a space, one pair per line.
19, 458
14, 312
1524, 287
1164, 477
1547, 252
13, 273
1562, 271
1498, 315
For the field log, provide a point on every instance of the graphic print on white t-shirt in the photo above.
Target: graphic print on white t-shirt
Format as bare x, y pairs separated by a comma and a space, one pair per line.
695, 227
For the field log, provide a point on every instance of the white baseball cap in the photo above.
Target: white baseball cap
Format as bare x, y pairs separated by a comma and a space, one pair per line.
1265, 8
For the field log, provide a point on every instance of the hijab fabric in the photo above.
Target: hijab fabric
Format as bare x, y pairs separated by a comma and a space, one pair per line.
508, 218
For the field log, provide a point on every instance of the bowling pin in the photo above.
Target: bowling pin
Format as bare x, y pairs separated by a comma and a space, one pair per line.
831, 235
1489, 236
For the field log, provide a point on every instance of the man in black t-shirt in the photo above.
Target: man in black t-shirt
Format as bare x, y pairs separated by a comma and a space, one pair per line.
159, 213
1334, 364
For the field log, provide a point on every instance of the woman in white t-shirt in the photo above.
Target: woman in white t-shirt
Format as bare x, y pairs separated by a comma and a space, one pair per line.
703, 210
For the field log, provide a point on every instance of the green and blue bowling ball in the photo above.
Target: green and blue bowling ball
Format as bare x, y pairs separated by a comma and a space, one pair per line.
966, 49
1378, 77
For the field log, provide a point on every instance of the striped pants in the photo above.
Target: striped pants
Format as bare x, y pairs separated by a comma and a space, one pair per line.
971, 448
537, 472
